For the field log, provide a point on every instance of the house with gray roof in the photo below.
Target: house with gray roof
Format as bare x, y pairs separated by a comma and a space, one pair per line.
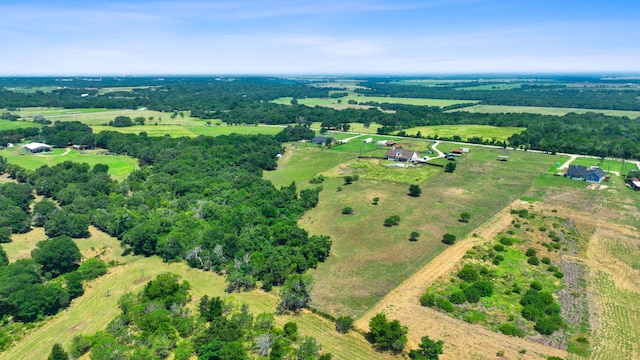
591, 174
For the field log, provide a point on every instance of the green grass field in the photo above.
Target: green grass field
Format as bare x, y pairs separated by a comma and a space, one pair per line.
92, 311
119, 165
93, 116
368, 259
191, 131
491, 109
466, 131
10, 125
225, 129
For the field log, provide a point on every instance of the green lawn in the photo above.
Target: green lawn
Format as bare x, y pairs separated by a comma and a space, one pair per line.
466, 131
368, 259
544, 110
225, 129
119, 165
151, 130
10, 125
606, 165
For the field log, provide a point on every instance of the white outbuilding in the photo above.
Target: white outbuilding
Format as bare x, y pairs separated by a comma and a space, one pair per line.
37, 147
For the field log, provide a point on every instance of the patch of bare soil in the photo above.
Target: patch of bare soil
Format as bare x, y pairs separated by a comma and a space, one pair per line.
462, 340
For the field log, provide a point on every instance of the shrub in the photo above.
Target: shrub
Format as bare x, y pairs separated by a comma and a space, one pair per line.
347, 210
472, 294
536, 285
344, 324
533, 260
546, 260
498, 247
558, 274
542, 228
414, 236
468, 273
448, 239
499, 257
546, 326
531, 252
376, 200
428, 299
92, 268
414, 190
484, 287
444, 304
511, 330
507, 241
552, 268
458, 297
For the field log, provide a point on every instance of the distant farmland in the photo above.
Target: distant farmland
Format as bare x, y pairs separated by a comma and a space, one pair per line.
496, 109
466, 131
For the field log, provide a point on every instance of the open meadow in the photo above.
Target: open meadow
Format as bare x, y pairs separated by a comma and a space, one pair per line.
368, 259
99, 116
120, 166
10, 125
465, 131
493, 109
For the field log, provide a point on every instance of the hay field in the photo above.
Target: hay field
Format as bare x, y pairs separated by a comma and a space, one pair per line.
466, 131
491, 109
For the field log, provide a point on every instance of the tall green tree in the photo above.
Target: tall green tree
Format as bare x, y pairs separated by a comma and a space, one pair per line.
387, 335
57, 255
58, 353
295, 293
427, 350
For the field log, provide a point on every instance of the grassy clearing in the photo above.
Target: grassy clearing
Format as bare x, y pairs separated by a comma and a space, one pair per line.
93, 116
82, 317
119, 165
303, 161
491, 109
492, 87
10, 125
353, 127
368, 259
617, 336
466, 131
230, 129
151, 130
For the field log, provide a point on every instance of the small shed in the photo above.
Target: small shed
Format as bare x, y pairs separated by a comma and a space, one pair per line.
37, 147
368, 140
465, 150
457, 152
502, 158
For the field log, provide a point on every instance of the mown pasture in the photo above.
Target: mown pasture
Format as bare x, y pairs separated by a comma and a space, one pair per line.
368, 259
10, 125
97, 116
465, 131
191, 131
119, 165
504, 109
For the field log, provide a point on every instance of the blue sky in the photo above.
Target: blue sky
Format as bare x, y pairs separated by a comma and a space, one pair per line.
318, 37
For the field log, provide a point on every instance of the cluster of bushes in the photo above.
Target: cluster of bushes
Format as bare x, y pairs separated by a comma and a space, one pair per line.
392, 220
540, 307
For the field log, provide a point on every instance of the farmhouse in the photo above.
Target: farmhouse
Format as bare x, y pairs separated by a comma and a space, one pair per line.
402, 155
323, 140
592, 174
37, 147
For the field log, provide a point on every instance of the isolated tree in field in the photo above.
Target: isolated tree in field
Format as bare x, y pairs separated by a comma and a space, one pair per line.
387, 335
414, 190
427, 350
57, 255
448, 239
295, 293
414, 236
376, 200
465, 217
344, 324
347, 210
450, 167
58, 353
392, 221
